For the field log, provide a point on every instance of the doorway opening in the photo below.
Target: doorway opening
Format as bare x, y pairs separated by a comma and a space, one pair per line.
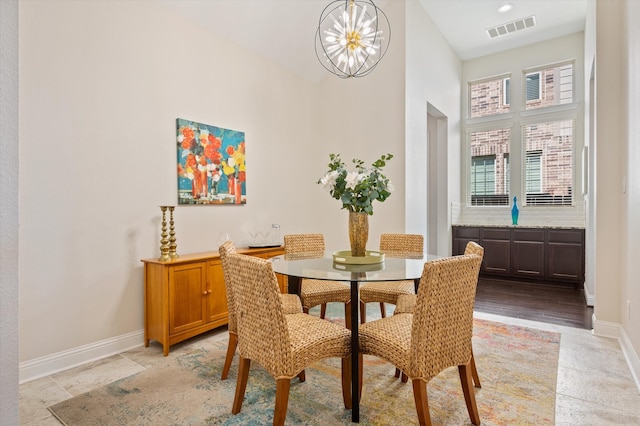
438, 236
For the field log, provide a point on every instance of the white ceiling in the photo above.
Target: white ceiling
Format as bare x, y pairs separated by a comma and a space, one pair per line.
283, 31
463, 22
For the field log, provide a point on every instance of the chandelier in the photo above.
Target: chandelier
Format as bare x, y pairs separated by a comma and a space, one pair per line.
352, 37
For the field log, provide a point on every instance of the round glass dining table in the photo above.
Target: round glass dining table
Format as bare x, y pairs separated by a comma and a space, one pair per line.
321, 266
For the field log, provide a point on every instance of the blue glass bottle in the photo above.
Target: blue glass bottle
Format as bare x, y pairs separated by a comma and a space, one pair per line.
515, 211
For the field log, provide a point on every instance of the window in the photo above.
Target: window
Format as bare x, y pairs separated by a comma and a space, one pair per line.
549, 163
489, 181
532, 84
545, 141
483, 175
506, 173
506, 91
532, 169
488, 97
549, 86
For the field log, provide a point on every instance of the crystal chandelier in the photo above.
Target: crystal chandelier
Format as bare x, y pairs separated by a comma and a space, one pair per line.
352, 37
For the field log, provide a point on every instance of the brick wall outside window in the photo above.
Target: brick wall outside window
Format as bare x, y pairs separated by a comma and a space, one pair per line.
554, 139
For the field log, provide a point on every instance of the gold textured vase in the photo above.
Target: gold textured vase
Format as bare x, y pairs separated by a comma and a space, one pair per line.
358, 233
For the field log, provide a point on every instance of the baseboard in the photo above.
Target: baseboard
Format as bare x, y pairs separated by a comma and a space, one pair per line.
631, 356
51, 364
589, 298
606, 328
615, 330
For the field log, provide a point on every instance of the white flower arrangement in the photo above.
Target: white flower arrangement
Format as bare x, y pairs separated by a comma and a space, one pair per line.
357, 190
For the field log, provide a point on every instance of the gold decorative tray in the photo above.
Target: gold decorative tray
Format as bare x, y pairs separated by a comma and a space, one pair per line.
359, 268
371, 257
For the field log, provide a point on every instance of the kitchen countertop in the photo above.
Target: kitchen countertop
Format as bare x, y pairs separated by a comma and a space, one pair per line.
518, 226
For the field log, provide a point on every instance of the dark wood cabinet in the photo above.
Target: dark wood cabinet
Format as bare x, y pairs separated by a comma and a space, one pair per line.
550, 254
566, 255
462, 235
528, 252
497, 254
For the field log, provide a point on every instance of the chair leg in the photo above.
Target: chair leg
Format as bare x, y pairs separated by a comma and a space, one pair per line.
474, 371
360, 362
469, 393
301, 376
282, 400
383, 311
402, 375
363, 312
231, 350
346, 382
241, 384
323, 310
347, 315
422, 401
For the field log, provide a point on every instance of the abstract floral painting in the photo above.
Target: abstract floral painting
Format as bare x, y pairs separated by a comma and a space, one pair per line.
211, 164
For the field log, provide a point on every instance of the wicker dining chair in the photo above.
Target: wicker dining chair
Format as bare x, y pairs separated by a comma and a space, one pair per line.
290, 303
282, 344
392, 245
436, 336
407, 302
317, 292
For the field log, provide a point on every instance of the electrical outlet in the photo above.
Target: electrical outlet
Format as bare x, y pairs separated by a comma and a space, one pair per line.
628, 309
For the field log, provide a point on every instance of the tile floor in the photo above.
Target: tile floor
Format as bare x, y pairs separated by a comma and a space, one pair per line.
594, 387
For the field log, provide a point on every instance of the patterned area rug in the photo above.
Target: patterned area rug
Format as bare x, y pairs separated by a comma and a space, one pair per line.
517, 368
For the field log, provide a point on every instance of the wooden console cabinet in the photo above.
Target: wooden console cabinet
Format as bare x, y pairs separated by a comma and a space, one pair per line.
186, 296
543, 254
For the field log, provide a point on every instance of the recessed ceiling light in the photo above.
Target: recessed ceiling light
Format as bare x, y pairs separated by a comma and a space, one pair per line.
505, 8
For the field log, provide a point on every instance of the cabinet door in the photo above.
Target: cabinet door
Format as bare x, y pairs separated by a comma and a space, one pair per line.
217, 310
565, 260
496, 257
186, 296
461, 236
528, 253
497, 252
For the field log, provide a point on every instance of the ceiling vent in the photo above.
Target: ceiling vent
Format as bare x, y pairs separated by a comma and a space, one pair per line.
511, 27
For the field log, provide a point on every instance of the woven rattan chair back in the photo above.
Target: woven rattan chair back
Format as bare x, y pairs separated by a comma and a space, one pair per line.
401, 245
474, 248
443, 316
262, 331
225, 250
303, 245
392, 245
282, 346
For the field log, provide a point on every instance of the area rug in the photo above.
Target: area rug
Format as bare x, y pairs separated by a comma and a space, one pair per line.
517, 368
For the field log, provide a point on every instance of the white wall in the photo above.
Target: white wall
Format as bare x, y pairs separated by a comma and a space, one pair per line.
610, 143
589, 135
616, 181
101, 85
433, 78
9, 212
630, 290
364, 118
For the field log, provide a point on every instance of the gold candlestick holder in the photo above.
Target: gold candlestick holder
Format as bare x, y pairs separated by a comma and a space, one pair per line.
164, 241
172, 235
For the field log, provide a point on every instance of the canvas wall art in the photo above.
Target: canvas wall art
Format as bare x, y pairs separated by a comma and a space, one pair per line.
211, 164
